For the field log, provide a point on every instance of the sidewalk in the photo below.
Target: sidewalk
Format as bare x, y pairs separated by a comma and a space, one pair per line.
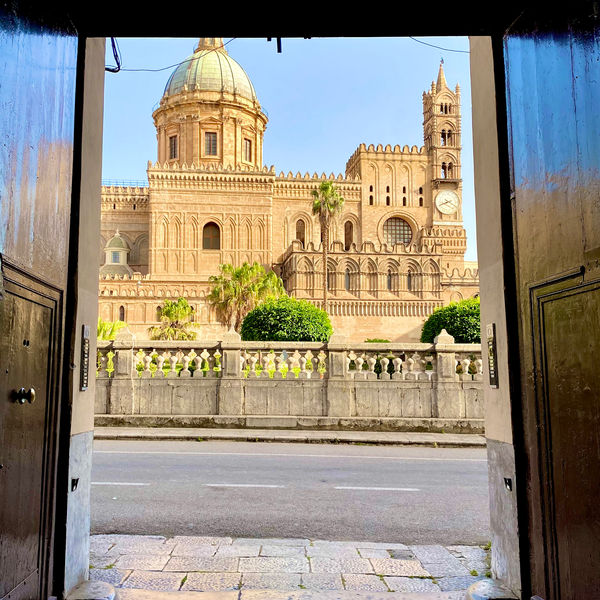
284, 568
456, 440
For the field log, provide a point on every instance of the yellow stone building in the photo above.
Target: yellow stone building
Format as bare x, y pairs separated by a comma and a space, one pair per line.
397, 250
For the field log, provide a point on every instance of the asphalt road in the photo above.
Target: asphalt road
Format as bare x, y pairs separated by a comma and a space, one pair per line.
318, 491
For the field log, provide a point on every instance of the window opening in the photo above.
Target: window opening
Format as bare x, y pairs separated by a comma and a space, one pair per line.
348, 234
300, 231
397, 231
121, 313
248, 150
211, 237
210, 143
172, 147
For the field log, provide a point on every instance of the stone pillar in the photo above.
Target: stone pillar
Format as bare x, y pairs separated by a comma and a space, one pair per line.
448, 395
124, 380
339, 385
231, 384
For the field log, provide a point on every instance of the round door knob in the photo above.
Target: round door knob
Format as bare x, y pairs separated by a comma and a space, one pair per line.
31, 395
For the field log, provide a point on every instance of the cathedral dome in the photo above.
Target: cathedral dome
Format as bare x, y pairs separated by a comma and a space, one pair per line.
211, 69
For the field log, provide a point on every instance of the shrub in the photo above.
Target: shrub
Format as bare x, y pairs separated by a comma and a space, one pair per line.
286, 319
376, 341
460, 319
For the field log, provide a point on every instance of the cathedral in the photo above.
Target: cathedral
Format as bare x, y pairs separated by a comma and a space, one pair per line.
396, 250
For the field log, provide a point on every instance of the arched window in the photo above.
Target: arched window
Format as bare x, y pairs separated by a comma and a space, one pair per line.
300, 231
397, 231
371, 200
443, 137
158, 312
387, 201
409, 281
370, 188
121, 313
420, 191
347, 280
387, 189
389, 280
404, 189
444, 170
348, 234
330, 279
420, 201
450, 170
404, 201
211, 237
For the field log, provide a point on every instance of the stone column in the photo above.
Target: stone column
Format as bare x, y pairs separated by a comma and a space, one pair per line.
448, 394
339, 384
231, 384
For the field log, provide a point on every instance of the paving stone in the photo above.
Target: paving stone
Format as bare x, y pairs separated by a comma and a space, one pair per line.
147, 562
411, 584
392, 566
449, 584
112, 576
474, 553
275, 550
238, 551
270, 581
211, 582
402, 554
432, 554
272, 541
340, 565
199, 563
322, 581
151, 580
446, 569
367, 583
193, 540
143, 544
205, 551
373, 553
101, 544
332, 552
267, 564
379, 545
101, 561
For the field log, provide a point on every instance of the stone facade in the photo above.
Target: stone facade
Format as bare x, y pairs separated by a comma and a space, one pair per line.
397, 250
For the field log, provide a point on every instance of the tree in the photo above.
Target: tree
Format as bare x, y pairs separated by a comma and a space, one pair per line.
327, 204
175, 321
287, 319
107, 330
237, 290
461, 320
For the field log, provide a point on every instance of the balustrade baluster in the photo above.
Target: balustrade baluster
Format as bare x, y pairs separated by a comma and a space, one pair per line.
359, 362
146, 373
160, 362
371, 362
173, 356
102, 364
253, 360
322, 364
479, 368
384, 362
186, 359
397, 374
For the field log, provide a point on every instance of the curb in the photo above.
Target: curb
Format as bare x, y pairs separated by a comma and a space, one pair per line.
292, 436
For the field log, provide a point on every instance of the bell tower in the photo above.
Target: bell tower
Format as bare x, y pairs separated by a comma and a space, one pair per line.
442, 137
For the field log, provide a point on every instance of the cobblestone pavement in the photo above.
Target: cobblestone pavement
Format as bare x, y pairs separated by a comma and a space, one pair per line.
217, 564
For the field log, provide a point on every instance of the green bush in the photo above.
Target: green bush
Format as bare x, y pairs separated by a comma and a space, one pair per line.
461, 320
286, 319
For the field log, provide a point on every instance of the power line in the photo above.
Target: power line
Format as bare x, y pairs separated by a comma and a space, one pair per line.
438, 47
176, 64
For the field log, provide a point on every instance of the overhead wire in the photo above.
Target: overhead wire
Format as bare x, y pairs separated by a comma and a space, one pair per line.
170, 66
439, 47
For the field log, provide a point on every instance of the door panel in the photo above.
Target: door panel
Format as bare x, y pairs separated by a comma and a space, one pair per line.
27, 427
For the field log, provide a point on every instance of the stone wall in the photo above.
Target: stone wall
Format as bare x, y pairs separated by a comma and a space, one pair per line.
412, 386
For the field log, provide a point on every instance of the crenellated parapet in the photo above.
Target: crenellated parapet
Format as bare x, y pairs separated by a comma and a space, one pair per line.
301, 186
380, 152
124, 197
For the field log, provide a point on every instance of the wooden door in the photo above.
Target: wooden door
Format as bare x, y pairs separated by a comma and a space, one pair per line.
553, 94
28, 322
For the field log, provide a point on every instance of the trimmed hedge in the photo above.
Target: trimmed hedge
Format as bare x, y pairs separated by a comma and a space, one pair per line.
461, 320
286, 319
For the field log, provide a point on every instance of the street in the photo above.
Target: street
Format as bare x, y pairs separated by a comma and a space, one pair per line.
326, 491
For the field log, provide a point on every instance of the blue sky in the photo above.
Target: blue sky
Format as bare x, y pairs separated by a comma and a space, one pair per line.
323, 96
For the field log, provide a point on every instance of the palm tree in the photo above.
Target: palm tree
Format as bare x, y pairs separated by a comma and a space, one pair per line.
237, 290
327, 204
175, 321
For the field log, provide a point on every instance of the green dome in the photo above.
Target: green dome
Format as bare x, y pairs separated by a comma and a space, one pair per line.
116, 243
211, 69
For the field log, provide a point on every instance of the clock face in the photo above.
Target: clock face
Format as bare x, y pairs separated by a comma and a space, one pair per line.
447, 202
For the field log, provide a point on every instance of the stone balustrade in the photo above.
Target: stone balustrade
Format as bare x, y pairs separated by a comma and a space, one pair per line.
411, 386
